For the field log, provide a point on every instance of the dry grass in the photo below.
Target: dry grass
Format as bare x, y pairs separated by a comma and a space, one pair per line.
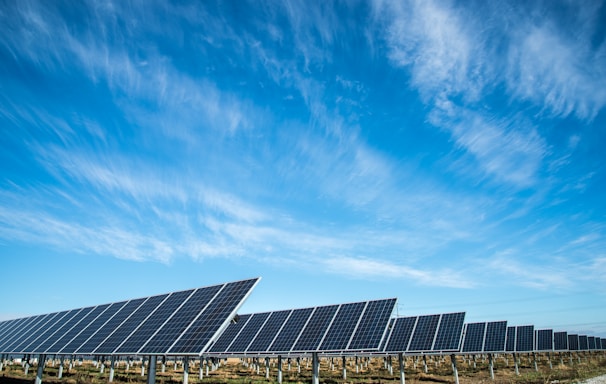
439, 370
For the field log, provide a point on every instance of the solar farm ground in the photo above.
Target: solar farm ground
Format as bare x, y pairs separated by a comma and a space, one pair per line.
234, 372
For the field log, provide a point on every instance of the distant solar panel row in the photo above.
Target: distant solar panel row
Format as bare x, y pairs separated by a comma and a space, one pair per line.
484, 337
335, 328
182, 323
421, 334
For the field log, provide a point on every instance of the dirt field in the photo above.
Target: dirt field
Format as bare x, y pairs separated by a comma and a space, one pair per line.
375, 370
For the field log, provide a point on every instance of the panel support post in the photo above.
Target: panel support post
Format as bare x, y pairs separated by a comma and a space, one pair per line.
41, 361
344, 368
26, 366
315, 364
267, 367
186, 370
279, 369
151, 370
60, 373
425, 363
455, 372
491, 366
534, 361
201, 370
515, 360
1, 362
163, 364
549, 360
112, 368
401, 363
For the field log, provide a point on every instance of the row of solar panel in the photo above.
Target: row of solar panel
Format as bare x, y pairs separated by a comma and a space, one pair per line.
346, 327
182, 323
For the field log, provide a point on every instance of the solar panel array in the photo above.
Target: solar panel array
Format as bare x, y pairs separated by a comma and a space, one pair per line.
425, 334
487, 337
335, 328
177, 323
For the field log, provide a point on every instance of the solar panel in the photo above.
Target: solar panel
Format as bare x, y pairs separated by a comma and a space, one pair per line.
266, 335
400, 334
153, 325
591, 342
342, 327
573, 342
316, 327
544, 340
448, 337
424, 333
583, 345
253, 326
373, 325
603, 343
230, 334
291, 330
474, 338
495, 336
525, 338
560, 341
511, 339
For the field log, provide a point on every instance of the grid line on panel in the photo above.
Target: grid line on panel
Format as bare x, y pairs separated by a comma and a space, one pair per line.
424, 333
342, 327
373, 325
315, 328
215, 316
176, 325
36, 333
26, 332
401, 334
448, 337
268, 331
289, 334
129, 324
496, 333
32, 333
48, 336
43, 333
231, 333
474, 337
90, 328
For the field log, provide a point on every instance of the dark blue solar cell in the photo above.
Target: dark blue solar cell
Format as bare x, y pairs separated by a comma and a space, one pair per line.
449, 332
92, 327
202, 332
511, 339
424, 334
230, 334
153, 322
401, 334
34, 333
583, 344
252, 327
573, 342
525, 338
373, 325
591, 342
495, 336
291, 330
85, 318
544, 340
170, 332
18, 327
342, 328
49, 332
560, 341
316, 328
127, 327
474, 337
267, 334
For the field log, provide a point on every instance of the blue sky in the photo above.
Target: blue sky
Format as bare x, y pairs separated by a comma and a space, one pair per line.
450, 154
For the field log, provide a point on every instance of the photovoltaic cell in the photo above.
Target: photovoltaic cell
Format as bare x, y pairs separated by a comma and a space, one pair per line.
202, 331
495, 336
400, 334
560, 341
525, 338
253, 326
36, 332
91, 328
583, 345
230, 334
424, 333
573, 342
49, 333
591, 342
450, 328
343, 327
373, 325
603, 343
474, 337
315, 329
164, 338
511, 339
110, 327
19, 331
544, 341
84, 317
291, 330
266, 335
